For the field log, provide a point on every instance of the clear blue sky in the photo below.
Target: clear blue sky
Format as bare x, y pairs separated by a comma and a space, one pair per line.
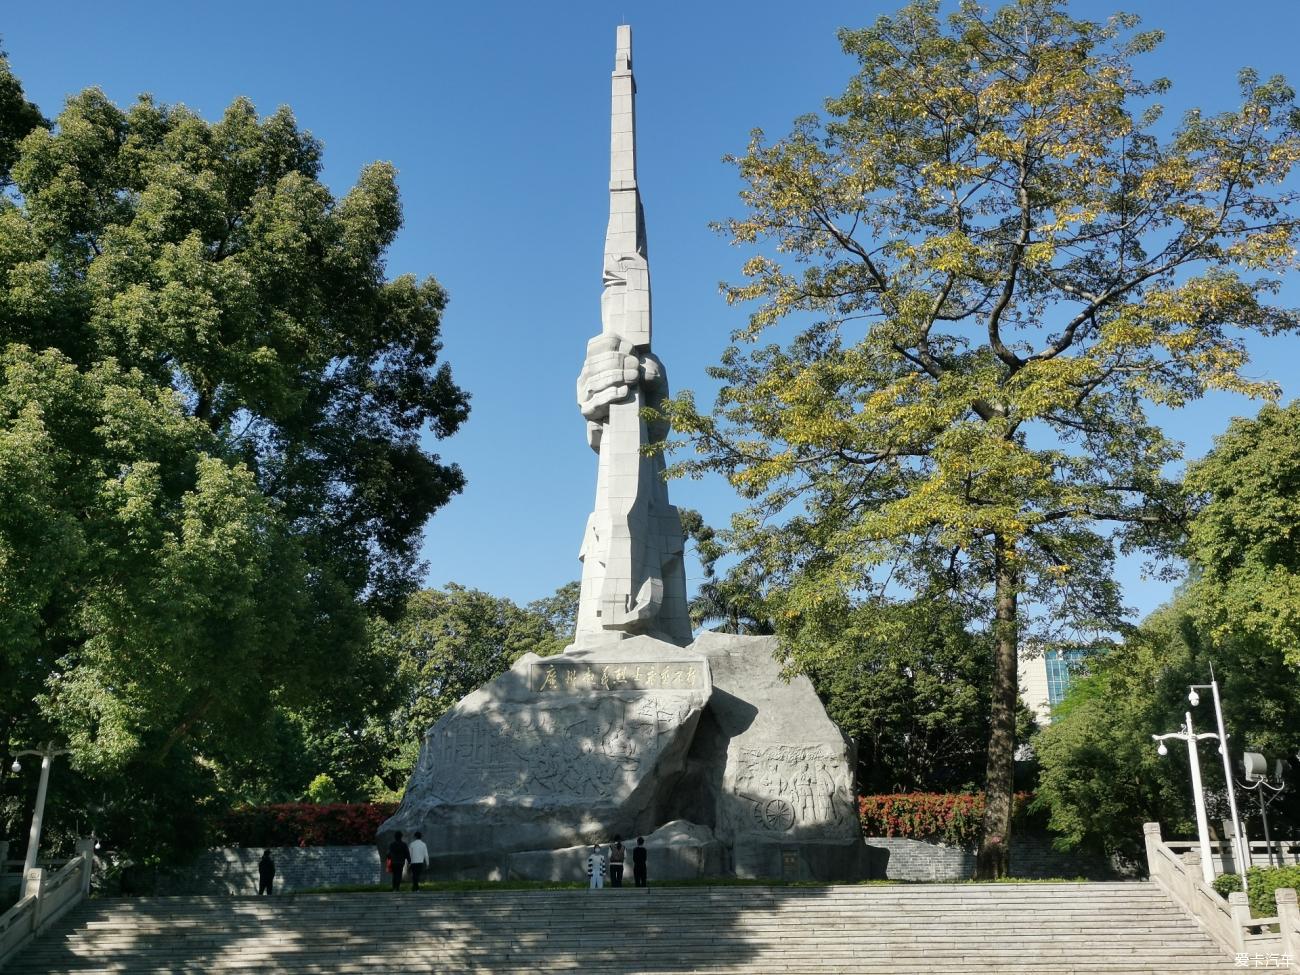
496, 114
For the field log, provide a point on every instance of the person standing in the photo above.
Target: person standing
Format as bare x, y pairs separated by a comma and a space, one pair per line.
398, 854
596, 868
265, 874
616, 857
638, 862
419, 860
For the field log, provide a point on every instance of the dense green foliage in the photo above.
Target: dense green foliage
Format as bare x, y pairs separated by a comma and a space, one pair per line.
1101, 778
1263, 882
910, 683
212, 408
972, 276
1246, 537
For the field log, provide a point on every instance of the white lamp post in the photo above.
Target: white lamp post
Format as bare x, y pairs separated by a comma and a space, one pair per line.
1240, 845
1189, 735
47, 755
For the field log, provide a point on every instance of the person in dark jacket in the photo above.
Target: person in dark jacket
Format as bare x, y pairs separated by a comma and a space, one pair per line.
638, 862
265, 874
398, 854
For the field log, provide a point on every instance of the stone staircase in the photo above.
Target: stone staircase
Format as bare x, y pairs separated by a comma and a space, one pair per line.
1118, 928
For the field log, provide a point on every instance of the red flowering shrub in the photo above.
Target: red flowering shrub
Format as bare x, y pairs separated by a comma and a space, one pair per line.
305, 824
956, 819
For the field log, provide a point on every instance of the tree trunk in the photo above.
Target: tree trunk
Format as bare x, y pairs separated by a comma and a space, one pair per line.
994, 858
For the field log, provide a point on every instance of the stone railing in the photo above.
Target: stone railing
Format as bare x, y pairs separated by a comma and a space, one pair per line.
1288, 916
1270, 941
46, 899
1285, 853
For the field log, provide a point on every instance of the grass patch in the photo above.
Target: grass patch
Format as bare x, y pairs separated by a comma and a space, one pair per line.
583, 884
494, 885
1029, 880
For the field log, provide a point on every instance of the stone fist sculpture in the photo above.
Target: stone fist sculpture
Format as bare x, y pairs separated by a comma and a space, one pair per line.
611, 372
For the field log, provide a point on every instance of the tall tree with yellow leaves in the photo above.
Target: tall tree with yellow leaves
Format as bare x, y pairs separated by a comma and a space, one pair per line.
974, 276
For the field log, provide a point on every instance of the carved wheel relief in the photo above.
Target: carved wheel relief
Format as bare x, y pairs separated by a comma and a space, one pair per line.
789, 786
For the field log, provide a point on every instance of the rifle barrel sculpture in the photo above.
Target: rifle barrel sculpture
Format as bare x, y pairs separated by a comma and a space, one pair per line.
633, 579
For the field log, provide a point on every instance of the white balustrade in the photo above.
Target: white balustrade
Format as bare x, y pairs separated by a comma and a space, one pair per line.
1227, 921
48, 897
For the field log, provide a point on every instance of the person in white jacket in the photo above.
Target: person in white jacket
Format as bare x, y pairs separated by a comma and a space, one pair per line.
419, 860
596, 867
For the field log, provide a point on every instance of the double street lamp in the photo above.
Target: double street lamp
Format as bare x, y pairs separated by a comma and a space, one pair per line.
47, 755
1239, 837
1257, 779
1188, 734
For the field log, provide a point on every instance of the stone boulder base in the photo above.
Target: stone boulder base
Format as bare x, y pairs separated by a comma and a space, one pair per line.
562, 752
557, 752
768, 771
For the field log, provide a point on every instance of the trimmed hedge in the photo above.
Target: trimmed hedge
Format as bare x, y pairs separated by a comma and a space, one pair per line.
305, 824
956, 819
1263, 881
953, 818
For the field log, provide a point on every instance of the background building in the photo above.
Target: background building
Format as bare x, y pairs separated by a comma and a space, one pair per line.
1045, 677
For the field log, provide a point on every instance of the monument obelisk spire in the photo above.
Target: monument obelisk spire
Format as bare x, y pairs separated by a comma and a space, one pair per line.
628, 313
632, 575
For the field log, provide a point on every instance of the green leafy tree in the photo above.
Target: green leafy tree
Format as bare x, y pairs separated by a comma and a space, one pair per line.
988, 262
909, 683
322, 791
212, 405
1100, 778
735, 599
560, 610
1245, 539
18, 117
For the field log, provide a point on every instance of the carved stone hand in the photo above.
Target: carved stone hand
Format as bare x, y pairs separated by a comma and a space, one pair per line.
609, 373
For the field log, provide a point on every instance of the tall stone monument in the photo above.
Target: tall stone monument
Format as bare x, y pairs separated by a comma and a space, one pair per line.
633, 580
702, 747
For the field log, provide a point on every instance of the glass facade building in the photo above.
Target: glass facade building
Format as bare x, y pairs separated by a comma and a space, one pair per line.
1061, 667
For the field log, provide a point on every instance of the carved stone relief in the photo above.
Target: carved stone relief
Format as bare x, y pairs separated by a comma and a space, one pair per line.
595, 752
789, 786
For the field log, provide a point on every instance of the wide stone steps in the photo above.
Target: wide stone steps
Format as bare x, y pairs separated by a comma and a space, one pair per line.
957, 929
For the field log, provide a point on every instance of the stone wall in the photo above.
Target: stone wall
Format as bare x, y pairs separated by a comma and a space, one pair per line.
233, 870
1032, 858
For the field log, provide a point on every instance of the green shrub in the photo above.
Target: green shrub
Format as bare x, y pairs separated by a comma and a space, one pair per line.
1227, 883
322, 791
1263, 881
